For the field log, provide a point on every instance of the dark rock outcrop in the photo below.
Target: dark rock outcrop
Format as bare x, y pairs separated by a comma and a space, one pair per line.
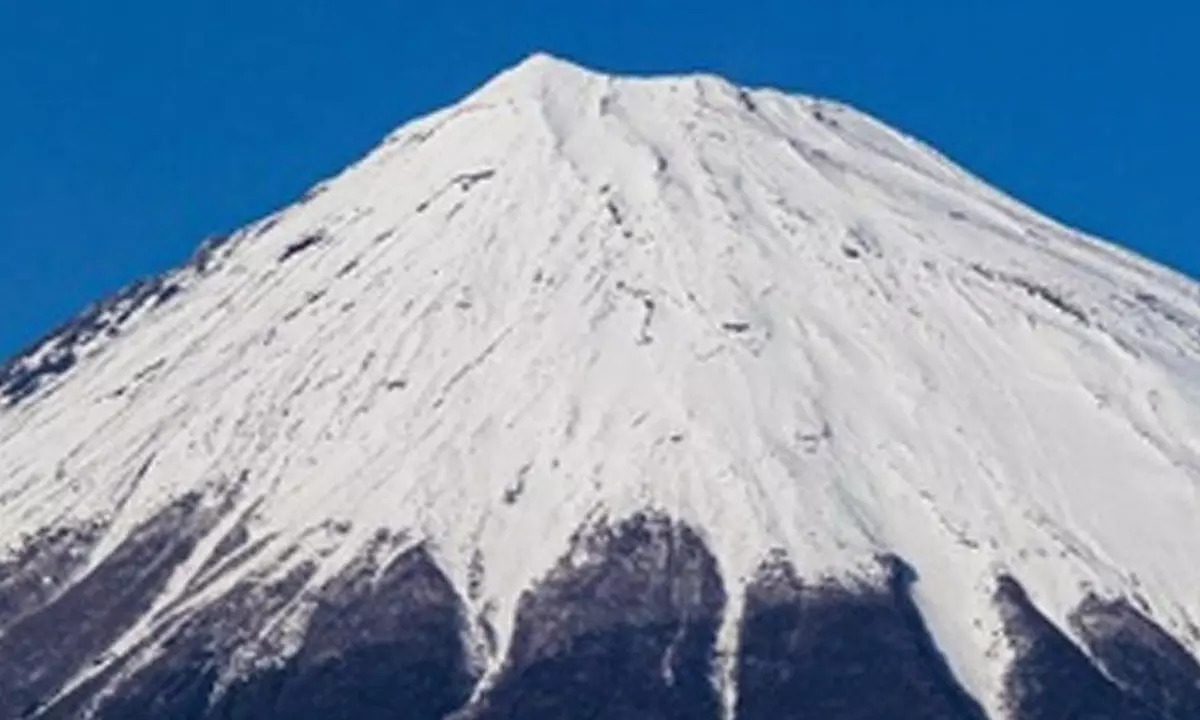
59, 351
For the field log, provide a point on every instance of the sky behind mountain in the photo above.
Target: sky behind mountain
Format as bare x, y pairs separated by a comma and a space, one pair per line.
132, 130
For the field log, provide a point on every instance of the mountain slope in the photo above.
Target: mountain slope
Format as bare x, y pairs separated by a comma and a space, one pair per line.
594, 383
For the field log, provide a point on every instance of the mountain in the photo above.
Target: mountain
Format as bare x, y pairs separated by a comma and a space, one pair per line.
597, 397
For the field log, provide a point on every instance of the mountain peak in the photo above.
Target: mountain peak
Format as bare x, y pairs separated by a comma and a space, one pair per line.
541, 62
581, 356
538, 73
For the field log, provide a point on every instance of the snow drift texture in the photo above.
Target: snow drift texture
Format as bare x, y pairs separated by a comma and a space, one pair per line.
601, 397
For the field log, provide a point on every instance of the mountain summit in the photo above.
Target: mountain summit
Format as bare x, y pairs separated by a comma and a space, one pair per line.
597, 397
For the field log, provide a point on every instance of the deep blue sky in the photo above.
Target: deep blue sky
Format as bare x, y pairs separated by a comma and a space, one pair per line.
131, 129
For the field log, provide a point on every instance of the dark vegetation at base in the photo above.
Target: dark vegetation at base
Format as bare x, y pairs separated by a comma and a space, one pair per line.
1051, 678
615, 674
1139, 656
179, 681
627, 633
377, 647
839, 652
45, 648
623, 627
38, 570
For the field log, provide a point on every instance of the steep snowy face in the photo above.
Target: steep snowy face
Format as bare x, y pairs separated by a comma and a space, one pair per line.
714, 396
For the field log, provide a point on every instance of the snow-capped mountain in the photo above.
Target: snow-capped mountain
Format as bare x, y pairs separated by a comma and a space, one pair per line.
600, 397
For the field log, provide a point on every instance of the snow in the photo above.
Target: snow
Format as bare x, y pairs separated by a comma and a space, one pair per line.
769, 316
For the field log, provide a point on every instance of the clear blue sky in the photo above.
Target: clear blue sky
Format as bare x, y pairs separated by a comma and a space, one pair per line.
131, 129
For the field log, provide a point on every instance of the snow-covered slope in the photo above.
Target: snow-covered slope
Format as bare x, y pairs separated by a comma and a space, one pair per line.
574, 299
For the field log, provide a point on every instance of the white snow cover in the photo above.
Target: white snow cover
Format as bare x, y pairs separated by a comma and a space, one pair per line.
573, 296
